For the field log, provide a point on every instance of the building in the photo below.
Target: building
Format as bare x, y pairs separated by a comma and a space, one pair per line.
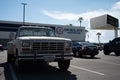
75, 33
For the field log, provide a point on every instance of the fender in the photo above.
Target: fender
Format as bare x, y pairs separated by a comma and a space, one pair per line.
11, 48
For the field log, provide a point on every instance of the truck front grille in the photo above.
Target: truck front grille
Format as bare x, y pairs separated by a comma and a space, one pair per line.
48, 46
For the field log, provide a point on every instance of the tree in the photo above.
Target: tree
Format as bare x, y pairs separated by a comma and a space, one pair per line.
80, 20
98, 34
86, 30
70, 24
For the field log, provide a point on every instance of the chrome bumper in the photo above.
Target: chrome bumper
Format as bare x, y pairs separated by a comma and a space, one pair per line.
45, 57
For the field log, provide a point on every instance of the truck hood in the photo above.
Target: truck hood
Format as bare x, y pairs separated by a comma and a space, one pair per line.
43, 38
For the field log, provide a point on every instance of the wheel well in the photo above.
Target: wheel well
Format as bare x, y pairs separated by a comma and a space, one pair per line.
106, 46
16, 52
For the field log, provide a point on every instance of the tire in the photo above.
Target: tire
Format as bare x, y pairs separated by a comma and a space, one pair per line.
2, 49
80, 55
92, 55
10, 58
18, 63
19, 66
64, 65
117, 53
74, 53
106, 50
77, 54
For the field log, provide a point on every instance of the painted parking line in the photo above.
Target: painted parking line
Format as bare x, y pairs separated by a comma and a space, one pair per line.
106, 62
87, 70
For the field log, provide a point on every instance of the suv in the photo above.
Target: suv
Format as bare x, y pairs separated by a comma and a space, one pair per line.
112, 46
39, 44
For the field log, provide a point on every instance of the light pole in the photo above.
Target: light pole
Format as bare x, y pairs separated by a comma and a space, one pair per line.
24, 4
98, 34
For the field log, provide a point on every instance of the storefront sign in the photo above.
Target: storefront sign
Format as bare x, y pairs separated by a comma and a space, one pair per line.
60, 30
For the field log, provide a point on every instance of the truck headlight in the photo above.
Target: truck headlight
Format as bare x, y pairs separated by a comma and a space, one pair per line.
25, 44
68, 46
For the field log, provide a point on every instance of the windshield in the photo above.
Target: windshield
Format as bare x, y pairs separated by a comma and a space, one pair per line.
87, 44
36, 32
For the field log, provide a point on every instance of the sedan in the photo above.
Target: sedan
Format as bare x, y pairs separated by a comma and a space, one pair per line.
84, 48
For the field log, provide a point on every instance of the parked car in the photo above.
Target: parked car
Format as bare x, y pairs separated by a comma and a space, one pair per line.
1, 47
84, 48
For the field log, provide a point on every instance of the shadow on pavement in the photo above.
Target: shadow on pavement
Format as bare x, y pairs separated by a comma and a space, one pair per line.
6, 74
88, 57
43, 71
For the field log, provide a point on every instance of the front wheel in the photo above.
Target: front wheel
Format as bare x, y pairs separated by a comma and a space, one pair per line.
117, 53
106, 50
77, 54
92, 55
10, 58
2, 49
64, 65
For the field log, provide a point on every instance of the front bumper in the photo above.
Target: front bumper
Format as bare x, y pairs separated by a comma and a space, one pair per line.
89, 52
45, 57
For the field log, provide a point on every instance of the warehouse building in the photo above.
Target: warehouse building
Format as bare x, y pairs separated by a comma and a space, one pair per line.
75, 33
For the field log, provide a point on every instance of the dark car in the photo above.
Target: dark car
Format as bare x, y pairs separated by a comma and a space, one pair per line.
112, 46
1, 47
84, 48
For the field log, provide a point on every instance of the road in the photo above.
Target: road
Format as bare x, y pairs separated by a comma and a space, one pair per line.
101, 67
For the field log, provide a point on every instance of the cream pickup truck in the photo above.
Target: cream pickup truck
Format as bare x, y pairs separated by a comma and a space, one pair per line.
33, 43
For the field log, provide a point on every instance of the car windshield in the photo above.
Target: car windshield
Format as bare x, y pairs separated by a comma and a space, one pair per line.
87, 44
36, 32
76, 44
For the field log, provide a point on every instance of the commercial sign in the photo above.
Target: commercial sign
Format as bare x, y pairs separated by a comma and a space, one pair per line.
60, 30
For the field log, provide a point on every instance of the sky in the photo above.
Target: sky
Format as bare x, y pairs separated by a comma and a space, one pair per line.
62, 12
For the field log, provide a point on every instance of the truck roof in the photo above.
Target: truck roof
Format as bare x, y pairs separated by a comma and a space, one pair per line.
34, 27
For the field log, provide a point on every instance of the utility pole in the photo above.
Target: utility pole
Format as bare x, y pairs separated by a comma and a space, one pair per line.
24, 4
116, 32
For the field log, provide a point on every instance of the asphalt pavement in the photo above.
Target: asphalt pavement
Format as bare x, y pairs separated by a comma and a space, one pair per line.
101, 67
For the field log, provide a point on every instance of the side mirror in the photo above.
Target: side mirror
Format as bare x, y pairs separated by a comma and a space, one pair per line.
11, 36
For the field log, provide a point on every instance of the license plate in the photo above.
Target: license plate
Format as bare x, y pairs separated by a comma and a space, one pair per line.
49, 58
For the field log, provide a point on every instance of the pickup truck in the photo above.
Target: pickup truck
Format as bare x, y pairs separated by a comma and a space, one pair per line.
33, 43
112, 46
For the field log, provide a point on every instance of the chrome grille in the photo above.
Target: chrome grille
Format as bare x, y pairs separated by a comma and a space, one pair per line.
48, 46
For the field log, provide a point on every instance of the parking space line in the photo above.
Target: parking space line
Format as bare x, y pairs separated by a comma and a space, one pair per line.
100, 61
87, 70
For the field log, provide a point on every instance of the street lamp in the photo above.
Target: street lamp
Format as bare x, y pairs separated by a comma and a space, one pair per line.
24, 4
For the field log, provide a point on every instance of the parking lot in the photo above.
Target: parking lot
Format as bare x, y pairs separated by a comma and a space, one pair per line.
101, 67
